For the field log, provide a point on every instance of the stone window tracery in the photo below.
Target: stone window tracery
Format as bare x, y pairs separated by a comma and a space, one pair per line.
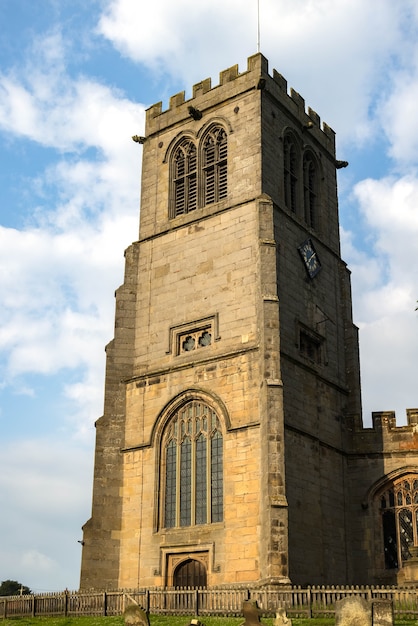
192, 170
192, 461
399, 512
301, 181
195, 335
194, 340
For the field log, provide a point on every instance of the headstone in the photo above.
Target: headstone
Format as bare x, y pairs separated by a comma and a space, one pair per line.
281, 618
135, 615
353, 611
251, 613
382, 611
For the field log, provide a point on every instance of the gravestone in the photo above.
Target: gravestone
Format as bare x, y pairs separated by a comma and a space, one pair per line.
251, 613
135, 615
382, 613
281, 618
353, 611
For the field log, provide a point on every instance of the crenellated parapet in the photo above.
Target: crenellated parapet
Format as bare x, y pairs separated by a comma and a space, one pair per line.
384, 434
233, 83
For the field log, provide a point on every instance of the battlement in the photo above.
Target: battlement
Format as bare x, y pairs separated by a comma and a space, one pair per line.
385, 420
384, 434
231, 83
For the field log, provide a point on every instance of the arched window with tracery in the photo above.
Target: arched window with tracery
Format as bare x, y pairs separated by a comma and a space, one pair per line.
192, 458
290, 173
184, 176
214, 166
399, 512
310, 189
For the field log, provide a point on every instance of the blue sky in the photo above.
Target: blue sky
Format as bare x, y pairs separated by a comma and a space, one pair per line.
75, 80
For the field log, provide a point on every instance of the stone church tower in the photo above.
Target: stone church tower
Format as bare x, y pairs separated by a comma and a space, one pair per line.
232, 381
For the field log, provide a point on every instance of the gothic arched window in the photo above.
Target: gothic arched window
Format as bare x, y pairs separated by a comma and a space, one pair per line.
290, 173
309, 189
399, 511
184, 176
192, 458
214, 166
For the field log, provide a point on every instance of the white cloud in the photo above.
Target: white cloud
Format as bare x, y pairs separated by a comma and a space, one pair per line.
172, 37
389, 206
355, 62
43, 481
33, 560
339, 54
385, 283
400, 121
58, 302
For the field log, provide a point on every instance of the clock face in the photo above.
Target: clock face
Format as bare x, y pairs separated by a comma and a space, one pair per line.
310, 258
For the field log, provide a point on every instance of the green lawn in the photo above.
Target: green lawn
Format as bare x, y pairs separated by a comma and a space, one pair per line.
161, 620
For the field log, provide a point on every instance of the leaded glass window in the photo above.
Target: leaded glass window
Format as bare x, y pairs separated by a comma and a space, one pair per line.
217, 478
399, 510
193, 442
170, 481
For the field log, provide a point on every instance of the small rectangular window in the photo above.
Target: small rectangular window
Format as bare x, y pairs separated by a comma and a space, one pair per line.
310, 346
193, 336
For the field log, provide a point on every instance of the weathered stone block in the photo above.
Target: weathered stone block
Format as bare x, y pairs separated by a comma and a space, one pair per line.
353, 611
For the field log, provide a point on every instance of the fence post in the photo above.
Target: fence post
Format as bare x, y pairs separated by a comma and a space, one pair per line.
66, 603
104, 604
196, 602
33, 606
309, 599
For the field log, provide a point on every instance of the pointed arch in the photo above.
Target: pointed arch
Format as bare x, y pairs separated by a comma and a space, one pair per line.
394, 499
214, 164
310, 188
183, 175
190, 436
290, 171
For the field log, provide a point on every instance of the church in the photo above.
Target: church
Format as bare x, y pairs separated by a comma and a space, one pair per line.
231, 450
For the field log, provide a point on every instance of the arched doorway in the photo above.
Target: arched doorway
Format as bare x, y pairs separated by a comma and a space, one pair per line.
190, 573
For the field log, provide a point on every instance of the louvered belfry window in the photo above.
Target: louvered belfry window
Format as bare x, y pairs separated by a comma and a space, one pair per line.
215, 152
290, 174
309, 189
193, 467
206, 170
185, 178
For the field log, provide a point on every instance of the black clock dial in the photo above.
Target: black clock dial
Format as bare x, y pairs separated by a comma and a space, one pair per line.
310, 258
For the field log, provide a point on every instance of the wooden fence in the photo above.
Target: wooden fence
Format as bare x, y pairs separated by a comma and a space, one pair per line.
309, 602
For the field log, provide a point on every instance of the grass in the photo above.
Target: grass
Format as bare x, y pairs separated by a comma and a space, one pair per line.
163, 620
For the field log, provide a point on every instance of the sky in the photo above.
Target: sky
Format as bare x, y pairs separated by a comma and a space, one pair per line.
75, 80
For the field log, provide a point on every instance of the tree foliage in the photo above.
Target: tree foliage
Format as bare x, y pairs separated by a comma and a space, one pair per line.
13, 588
